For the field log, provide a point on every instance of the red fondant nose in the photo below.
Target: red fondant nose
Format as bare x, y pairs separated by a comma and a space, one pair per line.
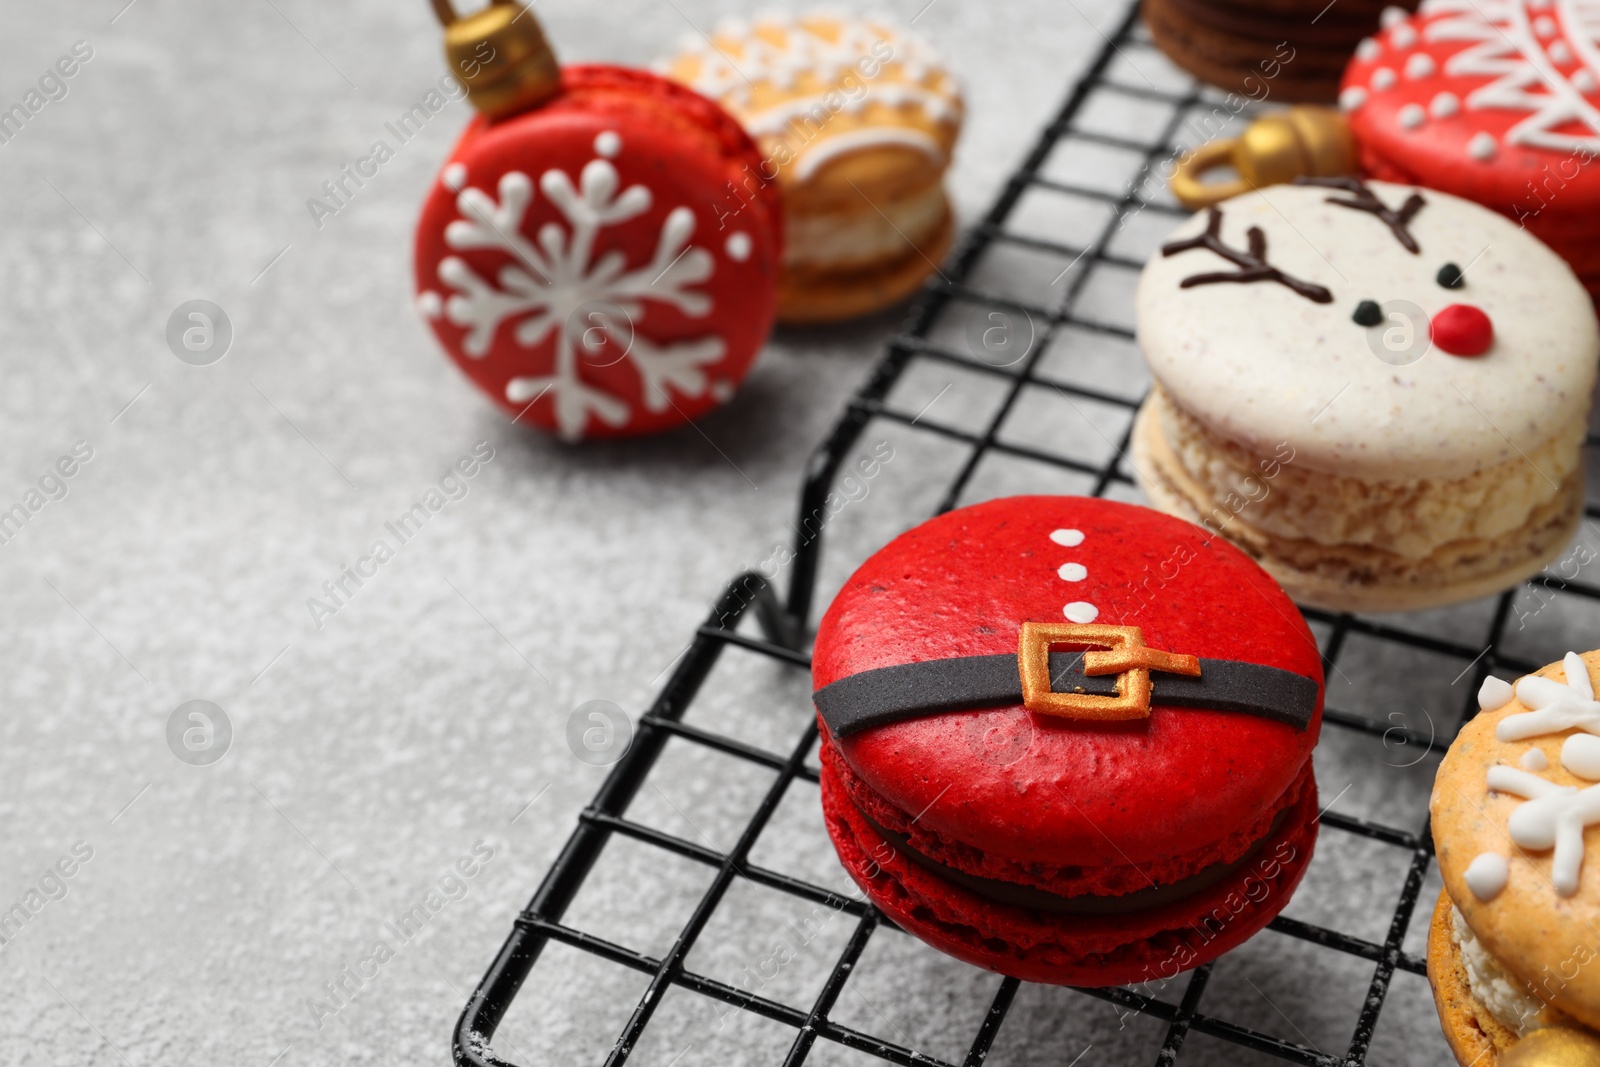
1462, 330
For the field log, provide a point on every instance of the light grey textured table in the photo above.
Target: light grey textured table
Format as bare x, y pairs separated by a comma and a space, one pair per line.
425, 723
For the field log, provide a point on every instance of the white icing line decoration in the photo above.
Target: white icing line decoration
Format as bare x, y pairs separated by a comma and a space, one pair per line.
1487, 875
842, 144
535, 294
1553, 817
1556, 707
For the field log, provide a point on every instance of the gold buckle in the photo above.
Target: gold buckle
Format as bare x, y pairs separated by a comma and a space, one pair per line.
1127, 656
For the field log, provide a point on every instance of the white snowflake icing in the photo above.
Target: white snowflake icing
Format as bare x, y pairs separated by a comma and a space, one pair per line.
556, 285
1506, 46
1553, 816
1556, 706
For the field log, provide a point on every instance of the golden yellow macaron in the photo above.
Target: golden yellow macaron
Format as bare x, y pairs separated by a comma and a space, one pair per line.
856, 121
1514, 946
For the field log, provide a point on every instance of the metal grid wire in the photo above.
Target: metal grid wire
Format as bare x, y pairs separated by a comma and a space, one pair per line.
786, 625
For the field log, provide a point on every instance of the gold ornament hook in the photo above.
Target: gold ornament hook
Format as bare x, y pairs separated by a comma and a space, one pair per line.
500, 54
1277, 148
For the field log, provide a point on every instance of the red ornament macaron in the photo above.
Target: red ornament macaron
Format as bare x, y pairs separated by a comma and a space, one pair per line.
570, 259
1496, 101
1069, 739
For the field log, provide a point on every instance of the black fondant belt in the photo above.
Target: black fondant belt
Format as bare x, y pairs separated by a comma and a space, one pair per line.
1114, 684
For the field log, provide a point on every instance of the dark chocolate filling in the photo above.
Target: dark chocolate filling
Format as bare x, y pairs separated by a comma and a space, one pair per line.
1026, 896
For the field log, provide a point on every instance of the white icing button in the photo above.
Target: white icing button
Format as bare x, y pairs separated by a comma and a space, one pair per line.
454, 177
1584, 81
1403, 35
1534, 760
1081, 611
1411, 116
1445, 105
1420, 65
1580, 754
1383, 78
430, 304
1482, 146
608, 144
1392, 16
1560, 52
1352, 98
738, 247
1544, 26
1494, 693
1368, 50
1069, 538
1077, 572
1487, 875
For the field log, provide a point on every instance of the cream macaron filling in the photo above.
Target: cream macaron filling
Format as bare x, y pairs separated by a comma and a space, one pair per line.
1413, 518
1501, 993
873, 234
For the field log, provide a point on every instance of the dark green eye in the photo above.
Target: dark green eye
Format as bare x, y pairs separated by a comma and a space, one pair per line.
1450, 276
1368, 313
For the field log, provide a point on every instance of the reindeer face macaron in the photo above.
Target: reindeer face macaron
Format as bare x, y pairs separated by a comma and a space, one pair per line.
1378, 390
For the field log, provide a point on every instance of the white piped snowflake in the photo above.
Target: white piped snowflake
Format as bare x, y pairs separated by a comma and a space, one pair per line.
1556, 706
556, 285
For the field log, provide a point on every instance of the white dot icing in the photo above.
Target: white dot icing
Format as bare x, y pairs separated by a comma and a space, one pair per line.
1392, 16
1580, 754
1404, 35
1383, 78
454, 177
1069, 538
1534, 760
1411, 116
1482, 146
1073, 572
722, 390
1545, 26
1352, 98
1584, 81
608, 144
1560, 52
1487, 875
1445, 105
1081, 611
1368, 50
430, 304
1420, 65
1494, 693
738, 247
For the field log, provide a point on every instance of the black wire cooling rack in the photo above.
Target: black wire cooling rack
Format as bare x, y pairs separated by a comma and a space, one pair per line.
785, 626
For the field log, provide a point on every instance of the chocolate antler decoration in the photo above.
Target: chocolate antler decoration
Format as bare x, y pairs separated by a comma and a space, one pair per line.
1253, 265
1364, 199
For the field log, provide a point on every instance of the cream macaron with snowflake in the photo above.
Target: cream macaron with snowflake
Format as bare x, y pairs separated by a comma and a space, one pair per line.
856, 120
1379, 391
1514, 947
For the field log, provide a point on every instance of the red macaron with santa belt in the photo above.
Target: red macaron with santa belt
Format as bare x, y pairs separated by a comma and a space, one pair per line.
1069, 739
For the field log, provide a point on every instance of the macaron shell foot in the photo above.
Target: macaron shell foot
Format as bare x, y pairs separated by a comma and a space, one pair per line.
815, 299
1071, 950
1474, 1035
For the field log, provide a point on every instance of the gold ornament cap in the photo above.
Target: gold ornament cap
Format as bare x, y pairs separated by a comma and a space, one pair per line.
1554, 1046
500, 54
1302, 141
